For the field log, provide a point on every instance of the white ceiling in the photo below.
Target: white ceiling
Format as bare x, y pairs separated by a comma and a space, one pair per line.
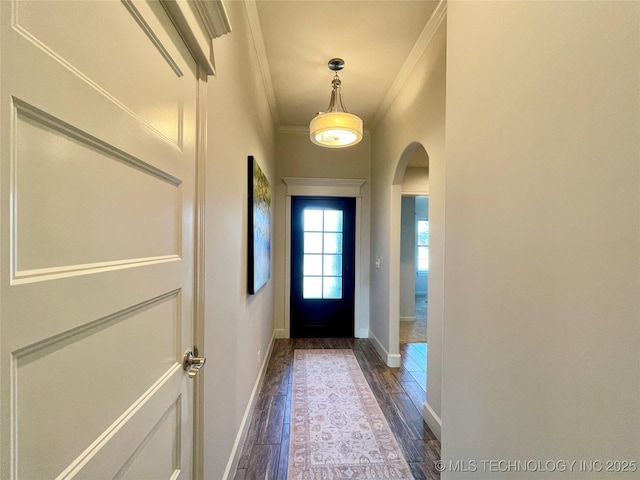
379, 40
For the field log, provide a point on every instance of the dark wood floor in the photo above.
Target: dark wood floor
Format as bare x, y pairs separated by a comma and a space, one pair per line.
399, 391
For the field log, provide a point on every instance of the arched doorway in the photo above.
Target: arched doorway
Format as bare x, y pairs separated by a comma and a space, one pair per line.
413, 152
414, 253
411, 180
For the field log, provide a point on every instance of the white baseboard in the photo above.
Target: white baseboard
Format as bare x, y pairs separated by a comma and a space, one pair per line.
236, 451
391, 359
279, 333
432, 420
362, 333
407, 319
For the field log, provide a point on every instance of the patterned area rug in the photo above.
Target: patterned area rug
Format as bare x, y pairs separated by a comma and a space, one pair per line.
337, 428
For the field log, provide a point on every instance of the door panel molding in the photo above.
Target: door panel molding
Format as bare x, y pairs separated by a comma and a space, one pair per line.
37, 176
136, 423
155, 83
325, 187
49, 357
24, 109
152, 36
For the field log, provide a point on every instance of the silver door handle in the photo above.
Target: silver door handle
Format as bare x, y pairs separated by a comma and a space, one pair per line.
193, 364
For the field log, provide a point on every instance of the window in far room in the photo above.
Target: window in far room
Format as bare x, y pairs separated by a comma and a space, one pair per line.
422, 246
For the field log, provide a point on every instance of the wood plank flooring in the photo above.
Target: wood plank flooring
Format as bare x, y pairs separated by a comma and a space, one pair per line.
399, 391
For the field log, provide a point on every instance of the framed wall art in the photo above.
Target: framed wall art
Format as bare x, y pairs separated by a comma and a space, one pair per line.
259, 231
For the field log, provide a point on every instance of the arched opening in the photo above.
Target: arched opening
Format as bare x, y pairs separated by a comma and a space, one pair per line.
414, 254
411, 178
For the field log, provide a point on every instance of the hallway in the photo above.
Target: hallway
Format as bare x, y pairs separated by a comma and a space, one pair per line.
397, 390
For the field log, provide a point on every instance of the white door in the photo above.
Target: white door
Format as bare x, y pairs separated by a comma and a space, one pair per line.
96, 223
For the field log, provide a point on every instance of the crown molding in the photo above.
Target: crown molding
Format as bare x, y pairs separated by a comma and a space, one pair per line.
258, 43
428, 32
199, 22
294, 129
299, 130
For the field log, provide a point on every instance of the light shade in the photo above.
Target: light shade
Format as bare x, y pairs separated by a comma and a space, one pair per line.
336, 129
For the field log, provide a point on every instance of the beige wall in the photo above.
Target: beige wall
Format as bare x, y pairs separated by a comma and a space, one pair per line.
542, 313
298, 157
416, 181
416, 117
237, 325
408, 260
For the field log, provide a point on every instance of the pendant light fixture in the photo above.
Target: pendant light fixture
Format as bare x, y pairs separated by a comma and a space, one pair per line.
336, 128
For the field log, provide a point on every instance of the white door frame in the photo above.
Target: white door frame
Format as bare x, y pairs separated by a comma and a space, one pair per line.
322, 187
199, 22
199, 256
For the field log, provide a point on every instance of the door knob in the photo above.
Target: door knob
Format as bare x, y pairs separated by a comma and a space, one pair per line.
192, 363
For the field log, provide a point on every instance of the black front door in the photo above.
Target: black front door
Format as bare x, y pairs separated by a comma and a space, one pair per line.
322, 266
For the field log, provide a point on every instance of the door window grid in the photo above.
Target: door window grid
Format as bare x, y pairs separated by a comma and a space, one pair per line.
322, 254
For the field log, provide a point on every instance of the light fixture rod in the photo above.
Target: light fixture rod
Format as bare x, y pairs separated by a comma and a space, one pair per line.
336, 83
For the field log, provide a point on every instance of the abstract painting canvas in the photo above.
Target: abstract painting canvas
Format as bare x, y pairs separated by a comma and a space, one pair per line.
259, 233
